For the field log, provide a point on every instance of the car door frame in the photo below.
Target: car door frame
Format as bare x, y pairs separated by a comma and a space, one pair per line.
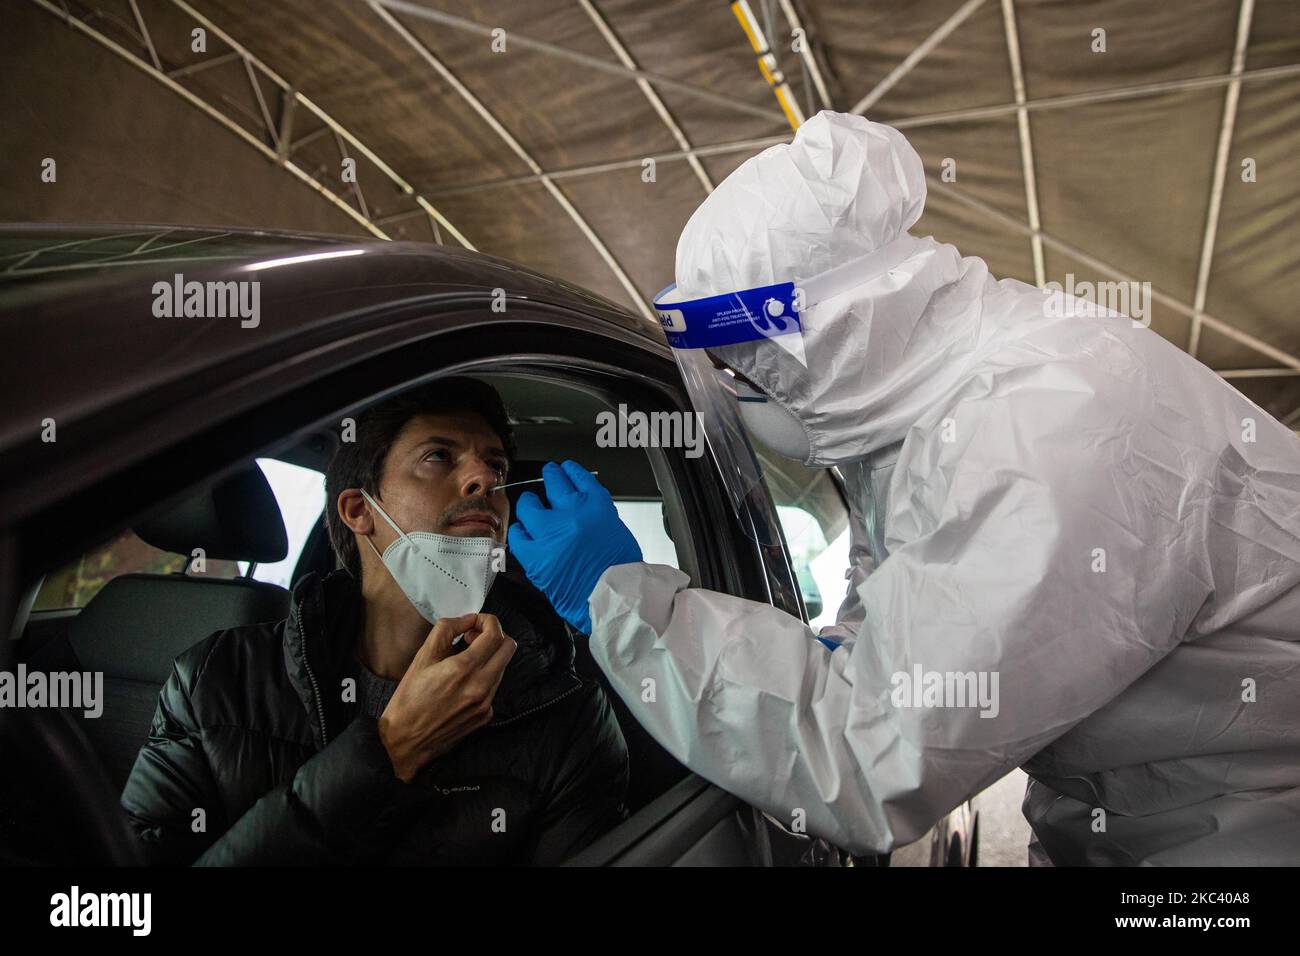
228, 426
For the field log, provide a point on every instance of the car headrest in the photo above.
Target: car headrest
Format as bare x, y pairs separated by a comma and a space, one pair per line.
235, 519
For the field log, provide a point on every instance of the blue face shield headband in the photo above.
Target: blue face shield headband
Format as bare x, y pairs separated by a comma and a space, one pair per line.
728, 319
767, 311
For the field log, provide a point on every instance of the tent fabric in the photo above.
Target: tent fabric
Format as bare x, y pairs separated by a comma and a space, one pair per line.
1124, 181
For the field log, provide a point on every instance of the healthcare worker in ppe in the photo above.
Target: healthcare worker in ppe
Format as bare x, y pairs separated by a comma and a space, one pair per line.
1047, 498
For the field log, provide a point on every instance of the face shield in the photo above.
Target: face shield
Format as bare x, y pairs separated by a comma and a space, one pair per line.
778, 337
693, 329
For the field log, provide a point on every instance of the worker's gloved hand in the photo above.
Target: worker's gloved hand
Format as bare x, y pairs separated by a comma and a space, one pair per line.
564, 549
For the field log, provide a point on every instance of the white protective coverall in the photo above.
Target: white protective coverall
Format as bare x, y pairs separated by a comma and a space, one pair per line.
1069, 502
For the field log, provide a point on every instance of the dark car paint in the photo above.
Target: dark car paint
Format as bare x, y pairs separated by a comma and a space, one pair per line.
121, 397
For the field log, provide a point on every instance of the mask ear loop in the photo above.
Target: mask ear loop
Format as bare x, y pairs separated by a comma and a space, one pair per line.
374, 504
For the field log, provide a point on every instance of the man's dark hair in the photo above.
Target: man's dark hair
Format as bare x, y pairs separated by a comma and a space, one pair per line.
360, 463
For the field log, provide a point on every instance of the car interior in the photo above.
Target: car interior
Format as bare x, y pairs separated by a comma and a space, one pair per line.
229, 552
136, 623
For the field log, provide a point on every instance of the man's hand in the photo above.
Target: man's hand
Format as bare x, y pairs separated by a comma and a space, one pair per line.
443, 698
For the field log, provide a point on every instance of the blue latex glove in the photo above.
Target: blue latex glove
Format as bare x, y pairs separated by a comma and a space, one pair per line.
564, 549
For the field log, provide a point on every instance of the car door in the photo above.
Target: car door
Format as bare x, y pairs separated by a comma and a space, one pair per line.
695, 822
692, 822
395, 319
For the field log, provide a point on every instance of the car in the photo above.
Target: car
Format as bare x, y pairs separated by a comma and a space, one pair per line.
150, 370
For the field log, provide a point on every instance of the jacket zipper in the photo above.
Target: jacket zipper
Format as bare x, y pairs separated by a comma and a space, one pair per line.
532, 710
320, 709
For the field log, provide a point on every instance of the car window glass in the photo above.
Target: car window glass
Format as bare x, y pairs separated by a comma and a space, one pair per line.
645, 519
554, 420
300, 493
815, 522
73, 585
819, 565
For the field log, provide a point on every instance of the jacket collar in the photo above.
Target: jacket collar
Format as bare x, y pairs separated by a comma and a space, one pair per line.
324, 623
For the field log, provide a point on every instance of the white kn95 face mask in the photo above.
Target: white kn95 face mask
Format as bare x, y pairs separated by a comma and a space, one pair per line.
441, 575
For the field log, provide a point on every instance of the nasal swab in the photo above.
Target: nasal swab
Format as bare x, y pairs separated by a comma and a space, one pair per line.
515, 484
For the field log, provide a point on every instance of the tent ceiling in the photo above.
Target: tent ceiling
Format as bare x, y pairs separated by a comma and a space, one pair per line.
537, 153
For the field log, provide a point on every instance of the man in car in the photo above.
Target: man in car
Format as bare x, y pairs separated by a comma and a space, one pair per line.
353, 731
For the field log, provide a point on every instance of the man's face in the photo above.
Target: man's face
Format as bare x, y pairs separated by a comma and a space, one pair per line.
439, 476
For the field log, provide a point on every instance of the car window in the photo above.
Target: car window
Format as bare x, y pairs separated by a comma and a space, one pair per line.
645, 519
554, 420
555, 423
300, 493
819, 565
815, 522
73, 585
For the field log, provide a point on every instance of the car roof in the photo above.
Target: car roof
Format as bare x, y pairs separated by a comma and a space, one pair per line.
56, 259
77, 302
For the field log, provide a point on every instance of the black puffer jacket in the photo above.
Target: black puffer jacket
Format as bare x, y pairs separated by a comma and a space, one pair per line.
253, 729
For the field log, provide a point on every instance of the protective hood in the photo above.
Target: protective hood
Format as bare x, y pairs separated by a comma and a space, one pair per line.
874, 357
1083, 559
